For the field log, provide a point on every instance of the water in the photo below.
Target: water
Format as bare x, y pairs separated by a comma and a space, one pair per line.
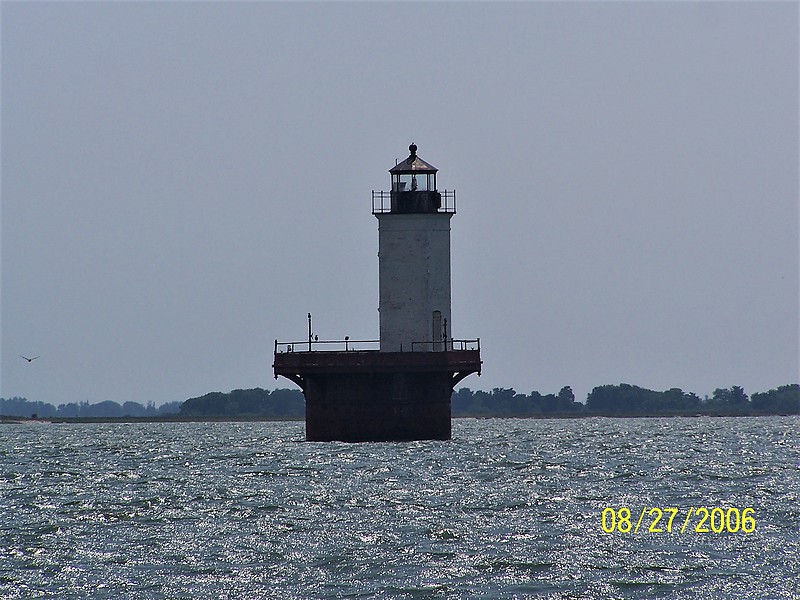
507, 509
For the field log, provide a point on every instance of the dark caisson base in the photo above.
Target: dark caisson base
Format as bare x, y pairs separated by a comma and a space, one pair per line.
364, 407
377, 397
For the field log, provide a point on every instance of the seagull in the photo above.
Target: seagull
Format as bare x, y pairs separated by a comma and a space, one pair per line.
29, 359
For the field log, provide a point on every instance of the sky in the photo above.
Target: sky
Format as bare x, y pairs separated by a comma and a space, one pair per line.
183, 182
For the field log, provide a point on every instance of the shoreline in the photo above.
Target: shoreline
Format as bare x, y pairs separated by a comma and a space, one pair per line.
15, 420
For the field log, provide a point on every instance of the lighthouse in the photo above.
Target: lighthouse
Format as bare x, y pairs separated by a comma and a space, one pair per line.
414, 258
397, 387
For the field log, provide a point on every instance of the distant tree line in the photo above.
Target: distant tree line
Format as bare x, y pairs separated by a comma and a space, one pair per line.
783, 400
20, 407
605, 400
279, 404
505, 402
625, 399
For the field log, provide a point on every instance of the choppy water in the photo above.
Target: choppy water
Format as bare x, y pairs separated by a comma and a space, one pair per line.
508, 508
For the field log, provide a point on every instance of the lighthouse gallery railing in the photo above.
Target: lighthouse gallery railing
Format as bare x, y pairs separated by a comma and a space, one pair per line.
382, 201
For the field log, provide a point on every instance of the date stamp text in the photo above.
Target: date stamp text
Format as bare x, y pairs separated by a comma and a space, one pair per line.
653, 519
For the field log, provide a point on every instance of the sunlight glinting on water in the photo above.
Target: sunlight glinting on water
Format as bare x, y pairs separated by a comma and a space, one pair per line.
508, 508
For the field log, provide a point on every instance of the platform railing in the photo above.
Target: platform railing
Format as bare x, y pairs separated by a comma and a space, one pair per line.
327, 345
382, 201
446, 345
349, 345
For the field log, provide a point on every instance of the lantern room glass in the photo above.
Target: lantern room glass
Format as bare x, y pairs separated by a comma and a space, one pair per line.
413, 182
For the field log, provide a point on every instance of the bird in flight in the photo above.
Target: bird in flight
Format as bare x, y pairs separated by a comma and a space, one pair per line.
29, 359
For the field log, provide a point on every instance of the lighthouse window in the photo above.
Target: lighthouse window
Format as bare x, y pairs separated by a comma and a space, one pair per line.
410, 182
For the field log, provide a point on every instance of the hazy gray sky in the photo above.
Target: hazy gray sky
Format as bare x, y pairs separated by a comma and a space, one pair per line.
183, 182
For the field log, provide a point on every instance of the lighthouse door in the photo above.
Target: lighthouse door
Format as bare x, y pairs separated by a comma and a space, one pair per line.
437, 330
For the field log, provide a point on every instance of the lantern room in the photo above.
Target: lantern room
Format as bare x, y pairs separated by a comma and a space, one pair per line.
414, 186
413, 174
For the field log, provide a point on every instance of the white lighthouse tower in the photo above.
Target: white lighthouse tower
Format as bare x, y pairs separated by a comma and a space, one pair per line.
414, 259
